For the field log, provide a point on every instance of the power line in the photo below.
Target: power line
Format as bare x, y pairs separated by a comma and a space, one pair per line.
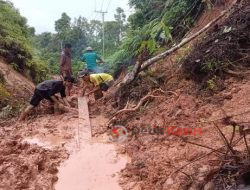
108, 5
102, 4
95, 16
103, 31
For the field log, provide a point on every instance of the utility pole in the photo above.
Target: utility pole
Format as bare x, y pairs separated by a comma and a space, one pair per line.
103, 31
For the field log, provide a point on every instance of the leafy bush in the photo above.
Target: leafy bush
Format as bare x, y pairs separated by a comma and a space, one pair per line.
3, 92
155, 24
15, 45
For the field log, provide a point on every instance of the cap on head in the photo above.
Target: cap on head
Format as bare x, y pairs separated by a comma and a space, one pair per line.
69, 79
83, 73
89, 49
68, 46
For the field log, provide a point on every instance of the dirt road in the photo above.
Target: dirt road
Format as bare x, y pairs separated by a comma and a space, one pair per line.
32, 153
94, 163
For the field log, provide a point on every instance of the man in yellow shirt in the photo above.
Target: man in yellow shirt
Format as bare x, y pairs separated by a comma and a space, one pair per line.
96, 82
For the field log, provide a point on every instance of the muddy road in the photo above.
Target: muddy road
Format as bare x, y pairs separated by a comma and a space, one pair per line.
58, 152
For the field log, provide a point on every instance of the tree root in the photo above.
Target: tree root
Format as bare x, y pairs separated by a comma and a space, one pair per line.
126, 109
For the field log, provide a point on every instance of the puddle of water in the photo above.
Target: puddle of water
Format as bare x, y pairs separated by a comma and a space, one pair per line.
94, 167
48, 142
93, 164
38, 142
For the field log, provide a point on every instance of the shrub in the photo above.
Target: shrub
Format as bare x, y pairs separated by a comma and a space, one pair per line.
15, 45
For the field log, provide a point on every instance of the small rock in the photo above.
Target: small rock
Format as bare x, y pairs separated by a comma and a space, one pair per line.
209, 186
168, 183
130, 185
137, 187
54, 179
203, 169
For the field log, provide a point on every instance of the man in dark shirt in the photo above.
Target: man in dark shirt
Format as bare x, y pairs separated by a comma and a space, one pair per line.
47, 90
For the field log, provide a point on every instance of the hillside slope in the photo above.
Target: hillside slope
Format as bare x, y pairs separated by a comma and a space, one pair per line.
173, 161
169, 161
15, 89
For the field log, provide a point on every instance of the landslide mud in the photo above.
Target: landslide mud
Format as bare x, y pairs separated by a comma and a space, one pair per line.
30, 153
57, 152
167, 162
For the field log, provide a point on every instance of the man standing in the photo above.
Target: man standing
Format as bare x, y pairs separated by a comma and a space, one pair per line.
47, 90
96, 83
91, 57
65, 61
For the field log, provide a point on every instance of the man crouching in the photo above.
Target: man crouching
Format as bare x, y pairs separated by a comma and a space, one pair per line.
97, 83
47, 90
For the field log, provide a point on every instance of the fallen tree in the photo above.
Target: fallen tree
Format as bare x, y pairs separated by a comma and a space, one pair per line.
142, 66
126, 109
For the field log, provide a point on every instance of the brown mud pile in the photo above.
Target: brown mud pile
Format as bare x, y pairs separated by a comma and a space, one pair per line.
155, 158
31, 152
224, 50
159, 161
170, 162
25, 166
14, 91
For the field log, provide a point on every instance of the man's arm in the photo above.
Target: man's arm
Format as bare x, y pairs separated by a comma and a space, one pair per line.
83, 58
55, 100
66, 102
94, 90
99, 58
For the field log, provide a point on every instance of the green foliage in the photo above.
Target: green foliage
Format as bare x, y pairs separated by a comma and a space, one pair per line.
15, 44
210, 65
2, 79
13, 34
77, 66
155, 24
4, 92
211, 84
39, 71
80, 33
62, 26
184, 51
146, 11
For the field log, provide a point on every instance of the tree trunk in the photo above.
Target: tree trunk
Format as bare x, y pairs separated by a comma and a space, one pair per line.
140, 67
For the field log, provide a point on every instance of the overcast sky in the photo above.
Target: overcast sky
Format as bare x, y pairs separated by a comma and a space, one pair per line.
42, 14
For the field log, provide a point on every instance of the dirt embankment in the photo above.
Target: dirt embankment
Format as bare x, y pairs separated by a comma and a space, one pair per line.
169, 161
15, 90
23, 164
224, 51
160, 161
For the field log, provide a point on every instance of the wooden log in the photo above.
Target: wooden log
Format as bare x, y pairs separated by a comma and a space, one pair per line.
84, 127
140, 67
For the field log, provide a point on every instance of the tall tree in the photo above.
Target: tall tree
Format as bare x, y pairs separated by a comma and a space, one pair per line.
62, 27
120, 18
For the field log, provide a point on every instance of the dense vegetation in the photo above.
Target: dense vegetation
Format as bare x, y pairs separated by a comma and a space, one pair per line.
15, 43
80, 33
150, 30
146, 32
